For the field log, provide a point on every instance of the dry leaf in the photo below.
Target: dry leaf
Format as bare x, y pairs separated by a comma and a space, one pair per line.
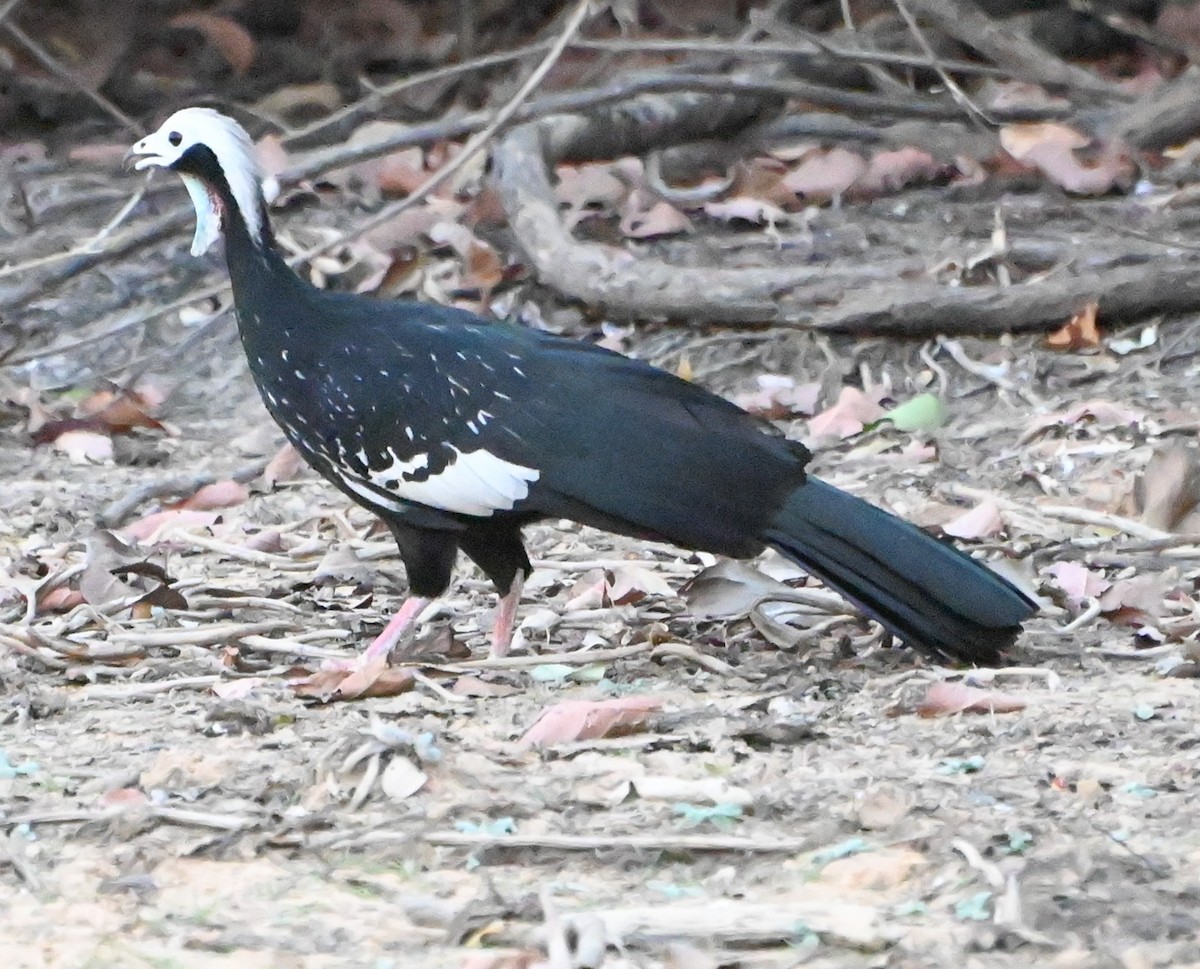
401, 778
574, 720
1169, 489
890, 171
825, 174
1080, 332
1051, 147
853, 411
144, 530
660, 219
85, 447
981, 521
1078, 582
227, 36
944, 697
779, 396
219, 494
745, 209
284, 466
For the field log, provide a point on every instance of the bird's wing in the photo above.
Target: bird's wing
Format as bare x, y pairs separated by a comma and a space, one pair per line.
473, 419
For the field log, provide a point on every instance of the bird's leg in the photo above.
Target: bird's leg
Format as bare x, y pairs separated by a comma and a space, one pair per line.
405, 616
506, 616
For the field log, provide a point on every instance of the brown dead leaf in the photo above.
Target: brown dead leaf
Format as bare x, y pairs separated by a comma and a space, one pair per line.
944, 698
981, 521
821, 175
229, 37
1169, 489
1078, 582
478, 687
1050, 147
1079, 333
401, 172
219, 494
59, 599
284, 466
373, 679
883, 806
574, 720
853, 411
1144, 595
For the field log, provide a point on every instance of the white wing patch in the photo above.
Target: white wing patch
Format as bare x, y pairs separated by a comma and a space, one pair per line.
474, 483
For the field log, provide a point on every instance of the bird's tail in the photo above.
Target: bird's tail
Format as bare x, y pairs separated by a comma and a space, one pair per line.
925, 591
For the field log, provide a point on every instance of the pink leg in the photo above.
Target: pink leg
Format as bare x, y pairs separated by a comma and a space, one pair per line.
506, 616
405, 616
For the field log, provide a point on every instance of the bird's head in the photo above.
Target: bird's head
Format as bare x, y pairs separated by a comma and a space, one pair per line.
215, 157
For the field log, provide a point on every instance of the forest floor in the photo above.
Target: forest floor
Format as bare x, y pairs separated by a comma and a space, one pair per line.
784, 807
172, 799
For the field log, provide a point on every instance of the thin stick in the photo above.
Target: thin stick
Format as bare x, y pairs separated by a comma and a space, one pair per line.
473, 146
55, 66
597, 842
92, 246
973, 110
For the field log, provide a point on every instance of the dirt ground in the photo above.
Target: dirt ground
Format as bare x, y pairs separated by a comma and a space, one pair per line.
171, 801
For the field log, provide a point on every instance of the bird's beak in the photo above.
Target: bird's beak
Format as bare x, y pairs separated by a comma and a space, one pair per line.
142, 155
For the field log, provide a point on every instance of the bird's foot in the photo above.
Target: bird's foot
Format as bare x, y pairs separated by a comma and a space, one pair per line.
383, 644
506, 618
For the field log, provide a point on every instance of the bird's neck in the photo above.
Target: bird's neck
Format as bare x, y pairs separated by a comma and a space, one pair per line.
266, 291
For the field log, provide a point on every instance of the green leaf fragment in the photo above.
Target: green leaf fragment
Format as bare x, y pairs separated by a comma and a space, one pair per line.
925, 412
975, 908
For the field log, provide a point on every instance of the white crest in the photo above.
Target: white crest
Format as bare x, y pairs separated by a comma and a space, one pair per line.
235, 154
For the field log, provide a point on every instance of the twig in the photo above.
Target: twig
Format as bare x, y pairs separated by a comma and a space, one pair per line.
129, 690
577, 658
205, 819
253, 555
211, 634
600, 842
52, 64
973, 110
1008, 47
181, 484
89, 248
473, 146
344, 118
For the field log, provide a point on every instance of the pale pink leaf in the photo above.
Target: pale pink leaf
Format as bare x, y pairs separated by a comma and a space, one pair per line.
1078, 582
944, 698
85, 447
144, 530
661, 219
824, 174
574, 720
890, 171
981, 521
219, 494
852, 412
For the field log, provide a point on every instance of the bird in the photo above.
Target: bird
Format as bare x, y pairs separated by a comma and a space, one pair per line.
457, 432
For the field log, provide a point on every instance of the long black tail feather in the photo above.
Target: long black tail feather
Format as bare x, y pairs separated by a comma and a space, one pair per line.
925, 591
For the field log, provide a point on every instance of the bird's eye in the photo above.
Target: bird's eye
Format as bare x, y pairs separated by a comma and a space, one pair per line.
175, 138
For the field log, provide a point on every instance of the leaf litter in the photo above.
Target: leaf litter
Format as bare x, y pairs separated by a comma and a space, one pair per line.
154, 828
